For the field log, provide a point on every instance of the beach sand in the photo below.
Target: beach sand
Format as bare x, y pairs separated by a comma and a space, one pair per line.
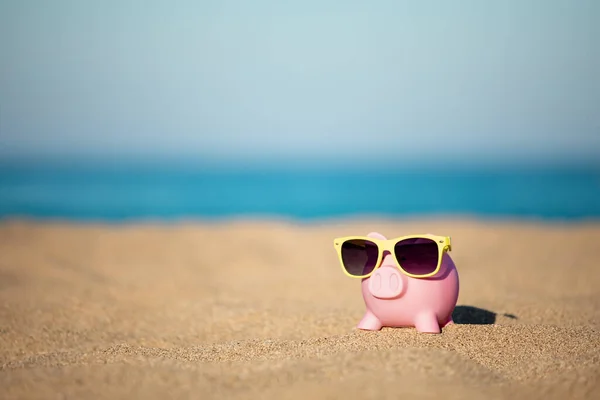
259, 309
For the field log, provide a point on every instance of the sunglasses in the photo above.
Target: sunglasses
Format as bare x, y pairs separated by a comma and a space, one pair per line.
418, 256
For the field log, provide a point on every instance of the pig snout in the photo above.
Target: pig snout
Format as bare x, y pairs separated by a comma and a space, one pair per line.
386, 282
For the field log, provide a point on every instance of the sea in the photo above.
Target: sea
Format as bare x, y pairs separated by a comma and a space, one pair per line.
122, 193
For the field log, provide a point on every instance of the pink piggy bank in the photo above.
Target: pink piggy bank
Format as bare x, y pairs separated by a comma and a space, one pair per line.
394, 299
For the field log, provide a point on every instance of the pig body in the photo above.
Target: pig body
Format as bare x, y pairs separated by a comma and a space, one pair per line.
394, 299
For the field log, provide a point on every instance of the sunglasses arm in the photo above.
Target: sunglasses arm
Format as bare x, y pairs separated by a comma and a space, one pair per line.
448, 243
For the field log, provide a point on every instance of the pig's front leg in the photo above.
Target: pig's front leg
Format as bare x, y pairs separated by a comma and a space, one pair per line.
427, 322
369, 322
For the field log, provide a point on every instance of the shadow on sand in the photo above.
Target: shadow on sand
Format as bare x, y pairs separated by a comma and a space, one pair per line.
468, 315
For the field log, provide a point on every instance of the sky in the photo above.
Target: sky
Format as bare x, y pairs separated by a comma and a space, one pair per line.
310, 80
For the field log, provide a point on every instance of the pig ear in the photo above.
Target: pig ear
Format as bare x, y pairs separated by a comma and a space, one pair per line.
376, 235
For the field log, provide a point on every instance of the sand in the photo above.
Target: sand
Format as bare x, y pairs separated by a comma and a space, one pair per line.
259, 309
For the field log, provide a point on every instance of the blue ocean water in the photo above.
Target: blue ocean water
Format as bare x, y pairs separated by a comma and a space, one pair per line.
123, 193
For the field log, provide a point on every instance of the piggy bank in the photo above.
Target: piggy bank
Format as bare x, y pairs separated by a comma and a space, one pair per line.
394, 299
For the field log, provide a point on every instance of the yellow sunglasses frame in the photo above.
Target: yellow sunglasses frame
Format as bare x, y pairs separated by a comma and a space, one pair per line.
444, 244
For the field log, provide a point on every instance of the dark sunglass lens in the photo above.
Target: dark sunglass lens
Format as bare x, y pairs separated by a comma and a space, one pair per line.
417, 256
359, 256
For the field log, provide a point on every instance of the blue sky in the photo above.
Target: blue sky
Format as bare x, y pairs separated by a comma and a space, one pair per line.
341, 80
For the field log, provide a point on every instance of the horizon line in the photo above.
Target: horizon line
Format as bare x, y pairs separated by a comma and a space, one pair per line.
299, 162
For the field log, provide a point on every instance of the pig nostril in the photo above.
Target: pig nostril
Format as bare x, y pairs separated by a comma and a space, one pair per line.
377, 281
394, 282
